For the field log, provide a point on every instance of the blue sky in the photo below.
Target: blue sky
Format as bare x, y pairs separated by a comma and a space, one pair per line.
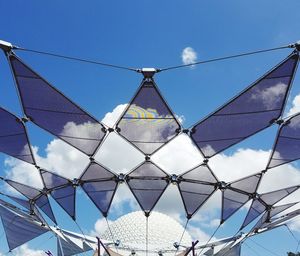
150, 34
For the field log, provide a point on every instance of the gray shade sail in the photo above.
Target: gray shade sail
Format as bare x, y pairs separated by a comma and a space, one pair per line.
251, 111
148, 122
48, 108
196, 187
18, 229
147, 183
264, 201
13, 137
36, 195
100, 184
287, 145
237, 193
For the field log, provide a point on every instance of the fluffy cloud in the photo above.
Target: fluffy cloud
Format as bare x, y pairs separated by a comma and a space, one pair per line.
111, 118
99, 227
25, 250
188, 56
271, 95
295, 106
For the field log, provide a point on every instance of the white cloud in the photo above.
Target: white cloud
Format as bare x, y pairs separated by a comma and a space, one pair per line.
188, 56
295, 106
183, 150
271, 95
118, 155
25, 250
232, 167
111, 118
99, 227
197, 234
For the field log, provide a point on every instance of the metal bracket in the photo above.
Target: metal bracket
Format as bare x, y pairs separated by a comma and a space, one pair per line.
121, 178
174, 179
295, 45
221, 185
148, 72
6, 46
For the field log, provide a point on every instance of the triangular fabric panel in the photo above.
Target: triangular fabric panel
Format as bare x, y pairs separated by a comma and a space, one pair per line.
266, 218
282, 219
65, 197
18, 230
54, 112
52, 180
232, 201
287, 146
248, 184
25, 190
100, 185
273, 197
29, 206
13, 137
248, 113
15, 209
255, 210
43, 203
69, 248
96, 172
201, 173
101, 193
269, 199
147, 183
194, 195
36, 195
148, 122
280, 208
230, 251
195, 187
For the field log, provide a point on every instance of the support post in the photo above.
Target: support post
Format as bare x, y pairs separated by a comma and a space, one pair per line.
192, 248
99, 244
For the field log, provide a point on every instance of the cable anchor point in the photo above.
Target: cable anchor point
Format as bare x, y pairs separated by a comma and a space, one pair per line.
7, 46
148, 72
295, 45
